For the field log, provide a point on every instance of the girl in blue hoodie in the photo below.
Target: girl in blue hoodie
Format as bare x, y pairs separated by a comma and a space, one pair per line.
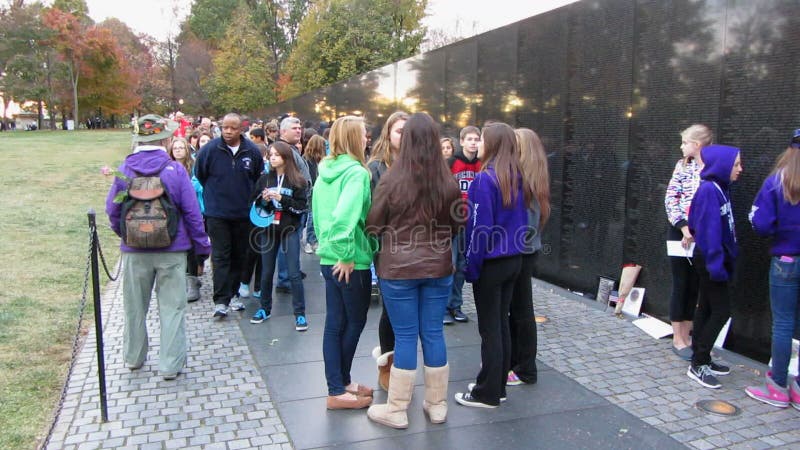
711, 224
495, 241
776, 213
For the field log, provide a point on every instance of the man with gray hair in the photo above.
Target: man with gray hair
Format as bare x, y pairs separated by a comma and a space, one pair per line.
291, 131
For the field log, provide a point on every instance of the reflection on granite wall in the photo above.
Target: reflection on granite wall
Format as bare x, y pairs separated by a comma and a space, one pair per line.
609, 84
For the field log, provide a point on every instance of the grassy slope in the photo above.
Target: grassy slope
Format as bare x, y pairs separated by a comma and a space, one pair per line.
48, 181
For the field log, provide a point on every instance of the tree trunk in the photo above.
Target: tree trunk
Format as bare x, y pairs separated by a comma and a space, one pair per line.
74, 79
50, 106
40, 115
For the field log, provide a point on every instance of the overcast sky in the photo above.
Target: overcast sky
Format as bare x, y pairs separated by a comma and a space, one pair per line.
155, 17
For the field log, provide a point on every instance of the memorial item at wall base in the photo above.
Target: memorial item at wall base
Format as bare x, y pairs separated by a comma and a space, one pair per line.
626, 281
653, 327
633, 302
604, 287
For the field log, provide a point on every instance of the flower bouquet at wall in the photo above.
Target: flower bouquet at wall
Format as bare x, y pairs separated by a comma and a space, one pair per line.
626, 281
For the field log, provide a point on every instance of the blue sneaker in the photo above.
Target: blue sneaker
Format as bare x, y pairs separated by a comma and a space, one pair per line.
256, 294
300, 323
260, 316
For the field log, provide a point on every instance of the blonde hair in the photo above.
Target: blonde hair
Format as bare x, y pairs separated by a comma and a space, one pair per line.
533, 163
788, 170
346, 138
699, 134
382, 148
187, 162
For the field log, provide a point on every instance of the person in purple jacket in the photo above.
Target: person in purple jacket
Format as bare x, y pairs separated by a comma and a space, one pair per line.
711, 224
143, 267
495, 241
776, 213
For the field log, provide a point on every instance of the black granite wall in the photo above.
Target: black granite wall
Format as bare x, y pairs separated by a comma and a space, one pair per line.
609, 84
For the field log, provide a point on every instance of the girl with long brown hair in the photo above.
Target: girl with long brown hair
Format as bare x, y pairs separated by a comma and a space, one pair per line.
495, 238
281, 191
384, 152
411, 216
533, 164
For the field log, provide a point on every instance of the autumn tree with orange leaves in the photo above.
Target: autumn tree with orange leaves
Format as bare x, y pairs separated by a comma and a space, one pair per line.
93, 63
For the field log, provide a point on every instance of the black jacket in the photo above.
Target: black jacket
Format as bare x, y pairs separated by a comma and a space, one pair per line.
293, 201
228, 180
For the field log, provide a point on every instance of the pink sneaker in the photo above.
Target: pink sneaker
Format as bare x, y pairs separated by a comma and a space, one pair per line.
513, 380
770, 393
794, 394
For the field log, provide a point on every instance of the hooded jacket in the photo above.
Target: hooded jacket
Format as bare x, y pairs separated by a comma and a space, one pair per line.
493, 231
464, 170
340, 204
711, 216
146, 161
227, 179
772, 215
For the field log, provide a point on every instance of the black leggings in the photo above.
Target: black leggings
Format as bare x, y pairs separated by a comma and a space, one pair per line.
493, 292
685, 284
713, 310
523, 325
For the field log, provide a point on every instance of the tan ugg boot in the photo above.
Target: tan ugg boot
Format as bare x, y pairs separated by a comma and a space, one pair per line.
393, 413
435, 404
384, 362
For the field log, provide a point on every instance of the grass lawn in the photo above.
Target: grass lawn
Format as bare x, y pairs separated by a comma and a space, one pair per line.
48, 181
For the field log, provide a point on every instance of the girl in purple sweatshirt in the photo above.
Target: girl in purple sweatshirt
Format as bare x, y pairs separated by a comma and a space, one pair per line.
495, 240
711, 224
776, 213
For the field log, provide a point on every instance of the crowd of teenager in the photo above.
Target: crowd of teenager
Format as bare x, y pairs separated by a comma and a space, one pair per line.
414, 215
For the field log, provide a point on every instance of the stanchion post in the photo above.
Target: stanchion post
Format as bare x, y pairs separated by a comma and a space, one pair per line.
98, 319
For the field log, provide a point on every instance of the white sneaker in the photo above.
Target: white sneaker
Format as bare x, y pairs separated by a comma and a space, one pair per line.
308, 248
236, 304
220, 310
244, 290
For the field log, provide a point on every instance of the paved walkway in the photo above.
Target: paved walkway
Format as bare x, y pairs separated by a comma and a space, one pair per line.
602, 384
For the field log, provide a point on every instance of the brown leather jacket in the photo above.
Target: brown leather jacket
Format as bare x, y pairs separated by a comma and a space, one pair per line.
410, 249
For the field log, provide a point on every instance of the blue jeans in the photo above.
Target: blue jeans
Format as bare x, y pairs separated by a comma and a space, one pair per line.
271, 243
460, 264
283, 271
346, 315
311, 236
784, 295
415, 309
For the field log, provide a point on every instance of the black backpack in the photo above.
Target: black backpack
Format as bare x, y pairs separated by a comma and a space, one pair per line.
149, 216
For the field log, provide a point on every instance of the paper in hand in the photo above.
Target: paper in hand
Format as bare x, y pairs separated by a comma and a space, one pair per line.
674, 248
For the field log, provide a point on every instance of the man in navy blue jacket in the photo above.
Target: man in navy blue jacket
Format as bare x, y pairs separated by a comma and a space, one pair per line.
228, 168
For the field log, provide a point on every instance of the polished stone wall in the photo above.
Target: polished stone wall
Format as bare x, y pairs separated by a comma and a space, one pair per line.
609, 84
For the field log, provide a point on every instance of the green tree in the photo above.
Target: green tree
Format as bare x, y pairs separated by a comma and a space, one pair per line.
209, 19
341, 38
240, 79
22, 57
278, 22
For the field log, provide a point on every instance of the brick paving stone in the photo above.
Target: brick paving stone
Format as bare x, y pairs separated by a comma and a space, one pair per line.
146, 411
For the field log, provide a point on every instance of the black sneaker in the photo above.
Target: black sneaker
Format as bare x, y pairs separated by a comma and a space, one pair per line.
466, 399
703, 375
719, 369
459, 316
